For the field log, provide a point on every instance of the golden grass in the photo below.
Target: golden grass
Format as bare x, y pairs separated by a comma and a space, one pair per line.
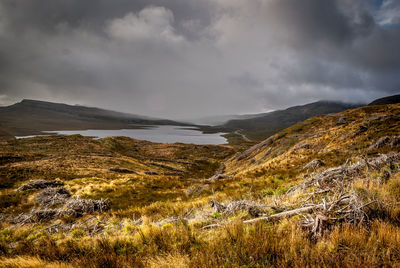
30, 262
83, 165
275, 245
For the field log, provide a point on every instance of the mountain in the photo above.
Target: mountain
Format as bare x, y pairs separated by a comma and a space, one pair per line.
221, 119
331, 139
30, 117
387, 100
323, 192
265, 125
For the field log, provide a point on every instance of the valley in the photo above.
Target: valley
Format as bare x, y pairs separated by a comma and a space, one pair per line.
324, 186
199, 134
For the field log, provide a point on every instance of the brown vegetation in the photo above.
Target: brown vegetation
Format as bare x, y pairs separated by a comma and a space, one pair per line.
318, 194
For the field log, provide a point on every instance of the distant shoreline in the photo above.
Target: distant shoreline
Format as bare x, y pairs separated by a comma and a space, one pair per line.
155, 133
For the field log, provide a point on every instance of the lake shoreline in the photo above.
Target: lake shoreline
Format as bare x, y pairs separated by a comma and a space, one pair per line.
154, 133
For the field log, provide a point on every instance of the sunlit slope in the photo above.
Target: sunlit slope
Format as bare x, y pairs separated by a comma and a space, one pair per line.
265, 125
331, 139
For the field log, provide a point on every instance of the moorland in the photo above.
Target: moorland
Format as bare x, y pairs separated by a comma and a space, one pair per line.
322, 192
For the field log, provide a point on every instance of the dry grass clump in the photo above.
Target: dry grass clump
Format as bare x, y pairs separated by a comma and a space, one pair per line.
30, 262
281, 244
344, 214
196, 189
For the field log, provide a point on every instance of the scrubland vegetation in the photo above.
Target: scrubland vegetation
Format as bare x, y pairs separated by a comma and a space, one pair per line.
324, 192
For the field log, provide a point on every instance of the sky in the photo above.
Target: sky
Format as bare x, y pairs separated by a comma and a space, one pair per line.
195, 58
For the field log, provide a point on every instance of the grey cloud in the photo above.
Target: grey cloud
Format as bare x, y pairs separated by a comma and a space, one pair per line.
187, 58
48, 15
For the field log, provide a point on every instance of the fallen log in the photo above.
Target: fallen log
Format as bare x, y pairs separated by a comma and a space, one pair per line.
275, 216
285, 214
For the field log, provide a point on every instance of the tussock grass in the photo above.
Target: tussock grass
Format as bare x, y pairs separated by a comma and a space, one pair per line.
277, 245
156, 220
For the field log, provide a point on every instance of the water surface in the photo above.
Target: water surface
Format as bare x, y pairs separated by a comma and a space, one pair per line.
162, 134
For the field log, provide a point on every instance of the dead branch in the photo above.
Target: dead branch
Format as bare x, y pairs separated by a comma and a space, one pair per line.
284, 214
40, 184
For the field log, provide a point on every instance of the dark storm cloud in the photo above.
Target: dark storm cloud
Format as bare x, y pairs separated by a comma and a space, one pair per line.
48, 15
182, 58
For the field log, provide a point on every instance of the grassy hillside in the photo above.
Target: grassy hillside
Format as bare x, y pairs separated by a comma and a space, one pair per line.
324, 192
332, 138
30, 117
261, 127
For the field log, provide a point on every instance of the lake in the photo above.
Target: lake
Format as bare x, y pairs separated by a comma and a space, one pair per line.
162, 134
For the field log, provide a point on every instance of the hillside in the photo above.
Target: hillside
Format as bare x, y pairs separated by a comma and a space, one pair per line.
386, 100
323, 192
332, 139
30, 117
265, 125
221, 119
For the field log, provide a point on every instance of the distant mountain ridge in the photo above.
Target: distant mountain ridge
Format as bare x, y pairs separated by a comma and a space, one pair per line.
30, 117
387, 100
267, 124
221, 119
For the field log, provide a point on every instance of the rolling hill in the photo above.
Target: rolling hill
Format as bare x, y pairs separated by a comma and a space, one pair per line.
30, 117
331, 138
265, 125
323, 191
387, 100
308, 193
